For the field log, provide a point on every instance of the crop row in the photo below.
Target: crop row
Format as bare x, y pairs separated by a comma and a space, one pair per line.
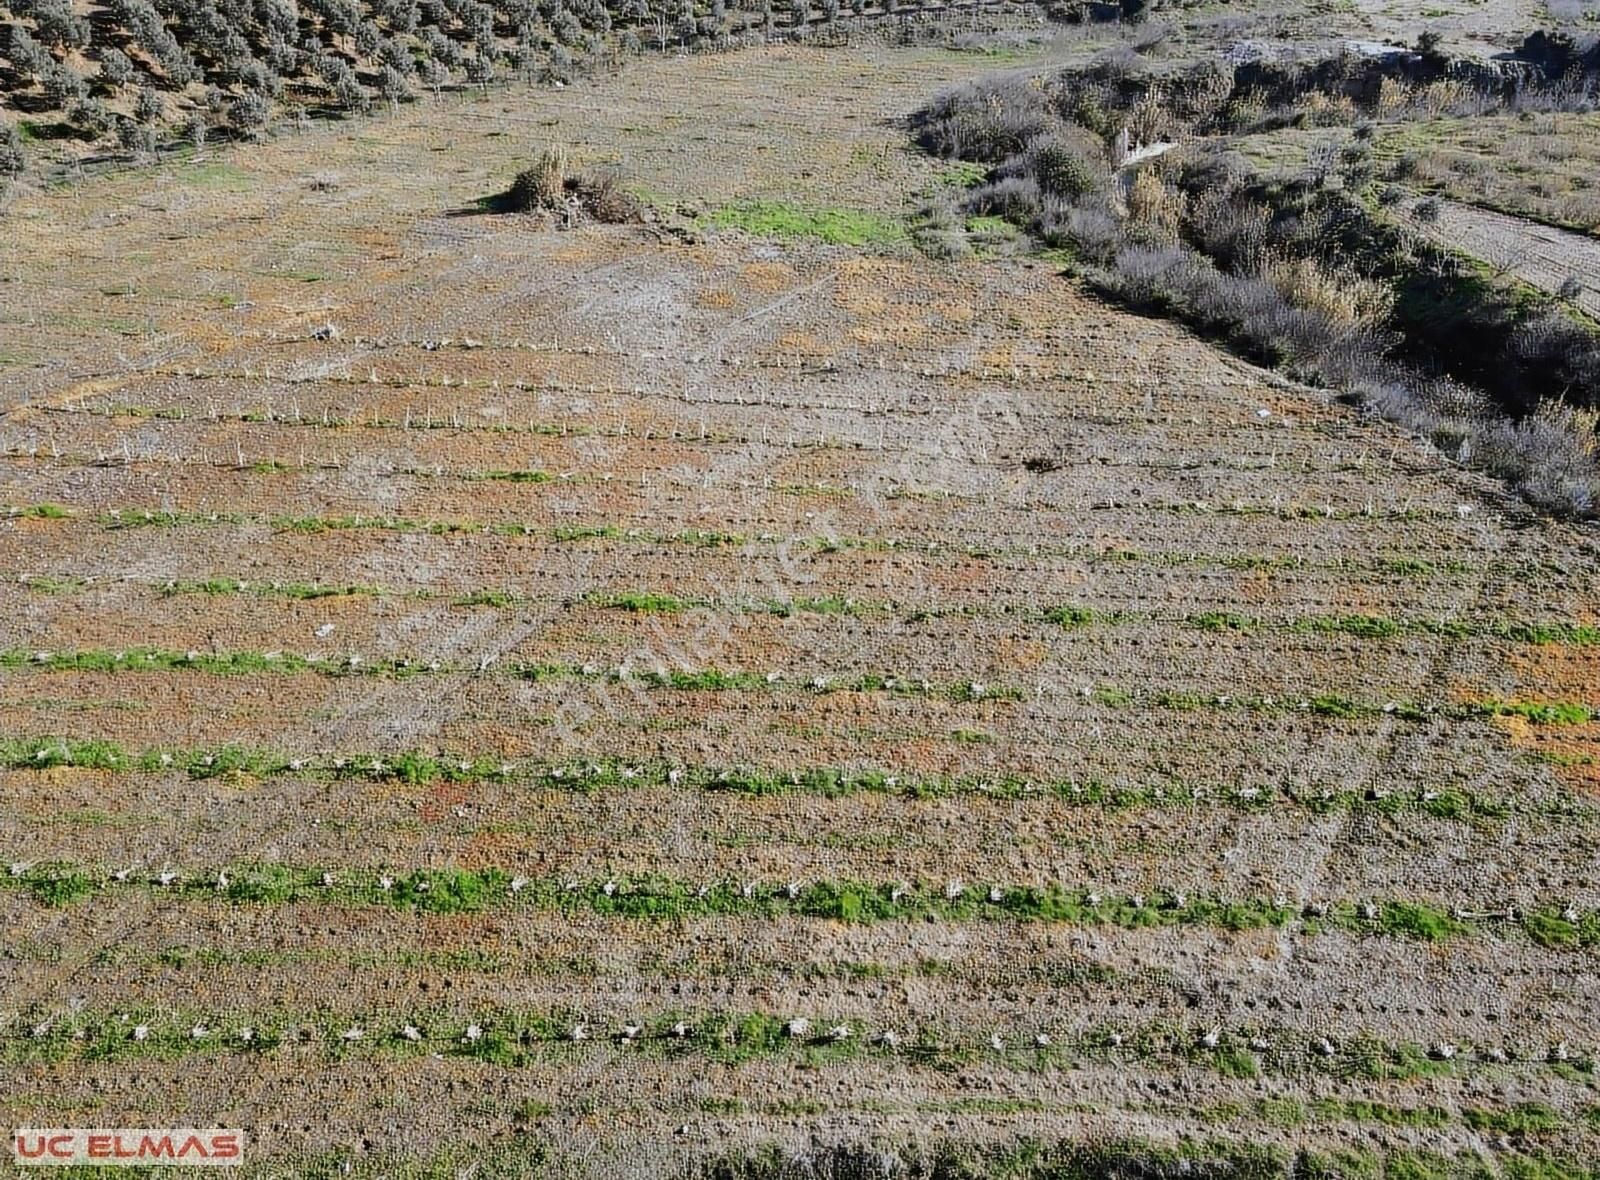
1096, 553
252, 462
117, 519
148, 659
130, 518
531, 476
657, 898
425, 420
546, 385
421, 769
1557, 632
514, 1038
1326, 705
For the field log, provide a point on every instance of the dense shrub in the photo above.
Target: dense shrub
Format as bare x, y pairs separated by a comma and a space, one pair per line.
148, 107
1064, 169
543, 186
57, 25
987, 121
116, 71
249, 114
63, 86
28, 57
12, 156
90, 117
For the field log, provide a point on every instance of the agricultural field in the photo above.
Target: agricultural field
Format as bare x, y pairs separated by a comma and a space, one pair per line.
680, 698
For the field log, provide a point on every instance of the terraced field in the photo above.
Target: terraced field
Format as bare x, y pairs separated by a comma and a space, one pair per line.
589, 703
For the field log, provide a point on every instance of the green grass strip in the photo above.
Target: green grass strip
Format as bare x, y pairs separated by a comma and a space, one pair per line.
419, 768
512, 1038
1071, 617
1400, 567
245, 663
444, 891
1330, 705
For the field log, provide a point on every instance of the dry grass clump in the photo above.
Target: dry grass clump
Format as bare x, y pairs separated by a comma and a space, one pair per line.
602, 197
1154, 207
543, 186
551, 186
1340, 297
1319, 109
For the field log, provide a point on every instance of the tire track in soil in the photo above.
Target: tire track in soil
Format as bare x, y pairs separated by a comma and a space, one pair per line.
1543, 256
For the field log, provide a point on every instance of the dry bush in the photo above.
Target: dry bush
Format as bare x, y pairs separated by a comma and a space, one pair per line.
602, 197
543, 186
1446, 96
1016, 198
1150, 120
550, 186
1206, 90
1394, 96
937, 230
1067, 166
1091, 230
1564, 354
1319, 109
1551, 457
1159, 276
1580, 208
1342, 298
1231, 229
1244, 111
1154, 206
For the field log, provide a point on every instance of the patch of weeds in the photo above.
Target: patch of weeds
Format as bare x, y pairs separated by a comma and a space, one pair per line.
1360, 626
1525, 1118
1567, 634
991, 227
1335, 706
1281, 1112
963, 174
1235, 1063
1363, 1111
511, 476
1550, 929
500, 599
1221, 621
59, 887
1412, 920
40, 512
1539, 712
838, 227
643, 603
1072, 617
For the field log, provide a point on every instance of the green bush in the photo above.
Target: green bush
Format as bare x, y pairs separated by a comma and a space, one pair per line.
1063, 170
